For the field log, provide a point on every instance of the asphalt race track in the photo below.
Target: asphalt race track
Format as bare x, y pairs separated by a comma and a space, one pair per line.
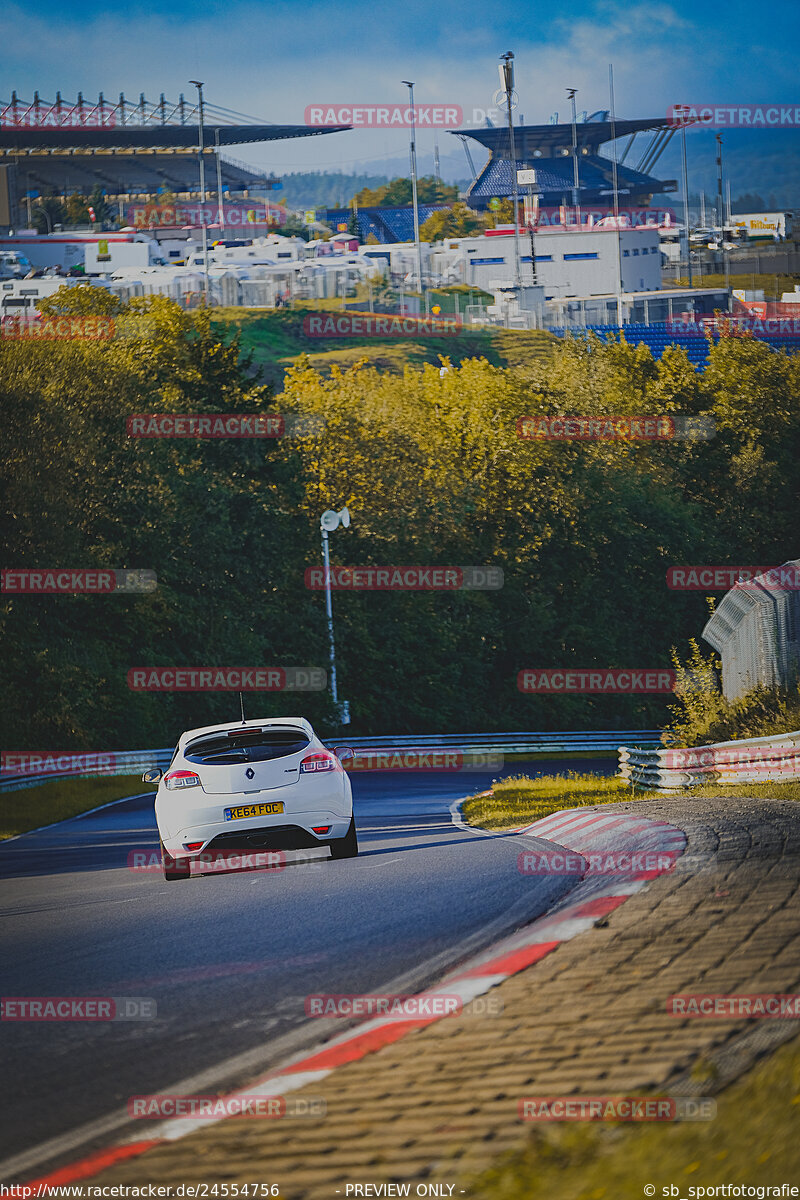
230, 958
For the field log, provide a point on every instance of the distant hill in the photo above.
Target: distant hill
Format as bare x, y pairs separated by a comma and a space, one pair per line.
762, 163
325, 189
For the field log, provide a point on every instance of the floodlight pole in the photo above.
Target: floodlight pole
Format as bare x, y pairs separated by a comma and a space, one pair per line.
199, 87
220, 208
413, 114
721, 205
507, 70
572, 92
616, 193
326, 561
686, 203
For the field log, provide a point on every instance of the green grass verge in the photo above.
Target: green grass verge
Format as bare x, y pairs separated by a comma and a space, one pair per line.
774, 285
520, 800
276, 338
61, 798
753, 1140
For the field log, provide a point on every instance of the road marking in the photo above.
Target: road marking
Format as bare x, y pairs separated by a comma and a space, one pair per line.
584, 907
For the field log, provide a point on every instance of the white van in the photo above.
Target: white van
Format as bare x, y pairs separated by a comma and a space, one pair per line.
14, 265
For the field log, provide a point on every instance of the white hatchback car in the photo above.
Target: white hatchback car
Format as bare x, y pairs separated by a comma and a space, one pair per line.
255, 785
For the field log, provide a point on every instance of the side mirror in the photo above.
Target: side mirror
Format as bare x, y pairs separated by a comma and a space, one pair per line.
154, 775
343, 752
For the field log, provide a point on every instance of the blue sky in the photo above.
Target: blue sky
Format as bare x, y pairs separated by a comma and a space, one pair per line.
273, 60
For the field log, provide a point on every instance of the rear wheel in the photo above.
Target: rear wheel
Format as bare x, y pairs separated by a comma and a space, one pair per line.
346, 847
172, 870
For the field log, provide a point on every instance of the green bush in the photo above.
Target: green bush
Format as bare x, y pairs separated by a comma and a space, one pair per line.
701, 715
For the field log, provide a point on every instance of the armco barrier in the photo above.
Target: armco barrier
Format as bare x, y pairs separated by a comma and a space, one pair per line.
132, 762
754, 760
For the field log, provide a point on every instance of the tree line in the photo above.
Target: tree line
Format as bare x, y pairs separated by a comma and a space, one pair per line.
434, 473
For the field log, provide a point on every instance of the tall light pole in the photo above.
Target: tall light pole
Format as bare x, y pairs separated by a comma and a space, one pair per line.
507, 81
616, 191
410, 87
328, 522
199, 87
721, 206
220, 209
686, 203
572, 93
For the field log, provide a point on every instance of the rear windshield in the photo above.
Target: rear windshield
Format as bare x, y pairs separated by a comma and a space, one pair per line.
248, 746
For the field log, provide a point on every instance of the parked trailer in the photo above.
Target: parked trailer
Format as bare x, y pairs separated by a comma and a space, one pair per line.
68, 250
767, 227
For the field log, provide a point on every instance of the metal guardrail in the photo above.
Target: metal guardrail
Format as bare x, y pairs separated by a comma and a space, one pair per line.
749, 760
120, 762
131, 762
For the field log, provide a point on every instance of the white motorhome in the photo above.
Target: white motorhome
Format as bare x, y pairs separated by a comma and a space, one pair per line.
20, 297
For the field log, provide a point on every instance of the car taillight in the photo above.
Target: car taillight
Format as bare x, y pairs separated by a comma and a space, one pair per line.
182, 779
318, 762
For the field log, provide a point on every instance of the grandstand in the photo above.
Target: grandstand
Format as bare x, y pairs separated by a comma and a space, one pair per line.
548, 149
132, 150
385, 224
660, 334
132, 176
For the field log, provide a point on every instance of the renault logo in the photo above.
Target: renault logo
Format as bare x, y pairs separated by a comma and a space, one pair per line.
250, 773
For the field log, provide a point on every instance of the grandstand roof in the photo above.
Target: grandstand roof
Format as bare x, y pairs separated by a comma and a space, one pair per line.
548, 149
153, 137
550, 138
42, 126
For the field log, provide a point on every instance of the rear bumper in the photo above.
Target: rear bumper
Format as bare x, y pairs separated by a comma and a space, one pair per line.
285, 832
278, 837
199, 816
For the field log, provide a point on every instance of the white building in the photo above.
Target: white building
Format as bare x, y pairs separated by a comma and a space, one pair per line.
569, 261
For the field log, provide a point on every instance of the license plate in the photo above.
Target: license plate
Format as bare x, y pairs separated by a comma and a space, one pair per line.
253, 810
